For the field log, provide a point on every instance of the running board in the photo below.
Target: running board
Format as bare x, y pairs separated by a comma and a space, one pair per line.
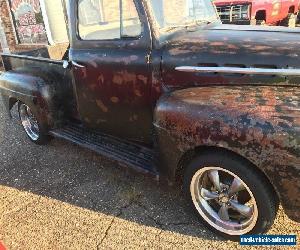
125, 153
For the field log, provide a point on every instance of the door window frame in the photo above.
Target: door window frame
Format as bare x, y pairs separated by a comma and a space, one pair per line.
121, 24
142, 41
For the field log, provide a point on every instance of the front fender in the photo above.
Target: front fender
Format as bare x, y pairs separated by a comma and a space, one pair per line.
262, 124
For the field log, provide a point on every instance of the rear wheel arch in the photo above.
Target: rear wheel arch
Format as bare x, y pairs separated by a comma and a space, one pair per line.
261, 15
32, 88
16, 100
292, 9
11, 102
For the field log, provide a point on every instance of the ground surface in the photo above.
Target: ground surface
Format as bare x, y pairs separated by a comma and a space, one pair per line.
61, 196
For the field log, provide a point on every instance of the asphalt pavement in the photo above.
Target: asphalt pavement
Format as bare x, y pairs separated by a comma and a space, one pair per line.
61, 196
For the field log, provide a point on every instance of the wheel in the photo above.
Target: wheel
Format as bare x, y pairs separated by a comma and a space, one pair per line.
32, 125
260, 22
229, 195
253, 22
290, 20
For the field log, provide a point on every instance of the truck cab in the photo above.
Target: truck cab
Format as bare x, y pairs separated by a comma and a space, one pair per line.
166, 89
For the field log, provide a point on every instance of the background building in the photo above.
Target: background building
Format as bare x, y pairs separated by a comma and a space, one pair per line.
30, 24
3, 42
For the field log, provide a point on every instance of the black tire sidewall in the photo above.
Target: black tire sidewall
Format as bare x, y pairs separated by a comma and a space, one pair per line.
244, 170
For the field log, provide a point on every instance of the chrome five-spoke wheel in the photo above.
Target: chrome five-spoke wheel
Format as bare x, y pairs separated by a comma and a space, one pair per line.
224, 200
29, 122
34, 124
231, 196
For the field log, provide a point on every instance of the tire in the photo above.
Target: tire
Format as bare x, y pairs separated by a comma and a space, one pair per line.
252, 218
253, 22
290, 20
261, 22
32, 124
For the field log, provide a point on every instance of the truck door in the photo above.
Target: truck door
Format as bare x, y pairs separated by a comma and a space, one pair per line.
110, 51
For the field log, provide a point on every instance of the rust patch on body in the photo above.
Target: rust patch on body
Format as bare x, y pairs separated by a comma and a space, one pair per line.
101, 105
138, 93
259, 123
143, 78
114, 99
117, 79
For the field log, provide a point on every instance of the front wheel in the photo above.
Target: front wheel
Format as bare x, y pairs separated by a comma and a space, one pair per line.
258, 22
290, 20
34, 128
230, 197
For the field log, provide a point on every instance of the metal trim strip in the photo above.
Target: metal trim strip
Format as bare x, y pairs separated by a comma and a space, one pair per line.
236, 70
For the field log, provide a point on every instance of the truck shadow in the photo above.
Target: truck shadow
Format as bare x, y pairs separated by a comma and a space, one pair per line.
68, 173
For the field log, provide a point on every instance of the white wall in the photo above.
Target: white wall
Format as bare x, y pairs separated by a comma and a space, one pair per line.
54, 21
3, 40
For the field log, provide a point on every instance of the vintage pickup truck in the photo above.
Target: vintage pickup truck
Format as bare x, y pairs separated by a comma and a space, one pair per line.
165, 88
270, 12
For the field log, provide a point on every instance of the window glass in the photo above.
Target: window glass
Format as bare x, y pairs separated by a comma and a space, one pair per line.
176, 13
131, 25
107, 19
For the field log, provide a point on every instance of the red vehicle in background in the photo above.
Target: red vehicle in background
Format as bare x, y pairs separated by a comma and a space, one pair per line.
270, 12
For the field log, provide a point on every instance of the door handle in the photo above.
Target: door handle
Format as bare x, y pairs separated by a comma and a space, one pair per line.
68, 65
77, 64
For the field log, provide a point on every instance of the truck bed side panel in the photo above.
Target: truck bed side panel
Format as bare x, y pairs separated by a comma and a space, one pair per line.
39, 81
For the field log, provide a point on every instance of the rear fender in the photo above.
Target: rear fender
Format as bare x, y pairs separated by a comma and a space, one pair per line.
32, 90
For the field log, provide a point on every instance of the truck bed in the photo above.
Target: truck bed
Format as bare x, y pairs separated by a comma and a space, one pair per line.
45, 71
52, 55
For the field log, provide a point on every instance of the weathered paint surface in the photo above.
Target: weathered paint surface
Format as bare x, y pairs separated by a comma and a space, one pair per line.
114, 92
259, 123
231, 46
114, 87
43, 85
122, 84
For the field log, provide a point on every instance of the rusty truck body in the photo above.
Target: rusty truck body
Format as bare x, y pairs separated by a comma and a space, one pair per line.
168, 90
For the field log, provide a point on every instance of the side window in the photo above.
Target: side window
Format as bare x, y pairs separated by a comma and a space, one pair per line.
108, 19
130, 25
